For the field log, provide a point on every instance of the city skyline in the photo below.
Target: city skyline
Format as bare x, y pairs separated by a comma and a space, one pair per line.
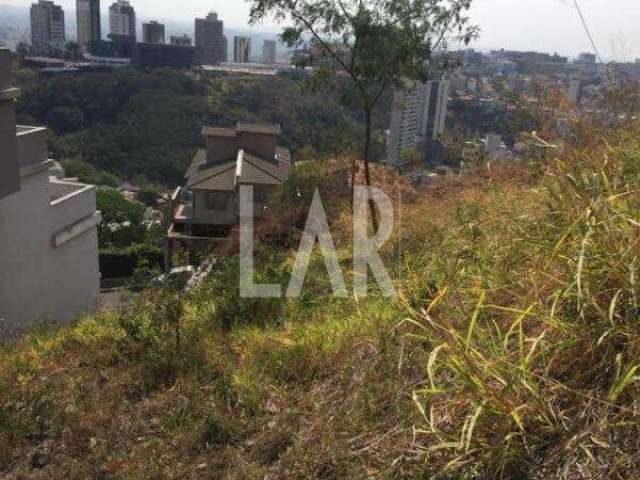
543, 25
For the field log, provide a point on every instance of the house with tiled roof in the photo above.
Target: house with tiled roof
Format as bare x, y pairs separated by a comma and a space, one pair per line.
247, 154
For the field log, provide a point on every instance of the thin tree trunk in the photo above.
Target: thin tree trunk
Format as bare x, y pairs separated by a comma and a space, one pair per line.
367, 173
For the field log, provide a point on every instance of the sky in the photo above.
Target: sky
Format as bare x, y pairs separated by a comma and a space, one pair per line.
544, 25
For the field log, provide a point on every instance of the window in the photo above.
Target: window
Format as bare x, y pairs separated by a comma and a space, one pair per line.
216, 201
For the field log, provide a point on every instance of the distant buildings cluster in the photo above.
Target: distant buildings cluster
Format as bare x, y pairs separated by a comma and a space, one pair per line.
211, 45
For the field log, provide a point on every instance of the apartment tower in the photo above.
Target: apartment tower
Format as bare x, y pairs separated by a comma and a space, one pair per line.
241, 49
122, 20
269, 52
211, 44
47, 27
417, 118
88, 19
153, 32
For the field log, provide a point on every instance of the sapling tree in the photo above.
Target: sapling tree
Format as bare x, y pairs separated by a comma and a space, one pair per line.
377, 43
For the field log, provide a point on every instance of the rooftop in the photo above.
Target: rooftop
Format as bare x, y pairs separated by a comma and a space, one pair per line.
230, 132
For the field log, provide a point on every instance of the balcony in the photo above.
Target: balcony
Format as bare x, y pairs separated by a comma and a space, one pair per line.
73, 210
32, 145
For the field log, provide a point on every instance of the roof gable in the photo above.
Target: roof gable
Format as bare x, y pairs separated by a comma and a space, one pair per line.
220, 177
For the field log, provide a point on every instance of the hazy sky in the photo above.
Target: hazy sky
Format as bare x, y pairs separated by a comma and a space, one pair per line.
546, 25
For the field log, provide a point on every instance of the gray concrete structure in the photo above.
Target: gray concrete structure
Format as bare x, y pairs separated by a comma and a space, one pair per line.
242, 49
183, 41
269, 52
122, 20
153, 32
9, 170
47, 27
211, 44
48, 232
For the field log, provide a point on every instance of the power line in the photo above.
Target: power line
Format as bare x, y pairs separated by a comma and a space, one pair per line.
588, 30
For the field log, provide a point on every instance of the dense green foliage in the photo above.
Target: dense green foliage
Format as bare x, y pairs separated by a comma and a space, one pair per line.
125, 235
147, 125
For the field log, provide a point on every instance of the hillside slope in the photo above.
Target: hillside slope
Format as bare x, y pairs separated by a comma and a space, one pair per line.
511, 352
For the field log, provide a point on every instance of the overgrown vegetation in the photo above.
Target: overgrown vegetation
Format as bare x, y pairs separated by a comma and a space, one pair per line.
511, 353
129, 241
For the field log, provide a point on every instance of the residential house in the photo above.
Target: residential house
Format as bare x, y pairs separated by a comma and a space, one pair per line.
207, 207
48, 228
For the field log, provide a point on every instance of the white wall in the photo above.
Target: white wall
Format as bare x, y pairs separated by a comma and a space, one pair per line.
40, 282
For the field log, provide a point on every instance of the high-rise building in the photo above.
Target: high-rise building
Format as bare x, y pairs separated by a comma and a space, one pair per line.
418, 117
47, 27
122, 20
242, 49
211, 44
153, 32
184, 40
88, 18
587, 59
269, 52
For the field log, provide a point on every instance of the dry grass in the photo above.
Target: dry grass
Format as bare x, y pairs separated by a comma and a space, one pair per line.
512, 352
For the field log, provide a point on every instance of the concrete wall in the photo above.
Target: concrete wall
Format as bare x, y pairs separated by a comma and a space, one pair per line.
40, 282
222, 149
9, 179
264, 144
202, 215
31, 145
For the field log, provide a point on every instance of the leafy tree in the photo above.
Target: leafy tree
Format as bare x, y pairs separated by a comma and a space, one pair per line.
148, 195
65, 119
72, 51
87, 173
376, 42
121, 220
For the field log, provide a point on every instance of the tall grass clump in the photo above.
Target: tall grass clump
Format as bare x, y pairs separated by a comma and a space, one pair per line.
532, 328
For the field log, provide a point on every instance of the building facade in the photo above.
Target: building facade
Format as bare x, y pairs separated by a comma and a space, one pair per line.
269, 52
88, 19
211, 43
208, 206
153, 32
418, 117
48, 229
184, 40
157, 55
241, 49
47, 27
122, 20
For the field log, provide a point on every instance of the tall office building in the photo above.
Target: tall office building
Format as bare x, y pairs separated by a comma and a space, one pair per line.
47, 27
241, 49
211, 44
88, 18
153, 32
418, 117
122, 20
269, 52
